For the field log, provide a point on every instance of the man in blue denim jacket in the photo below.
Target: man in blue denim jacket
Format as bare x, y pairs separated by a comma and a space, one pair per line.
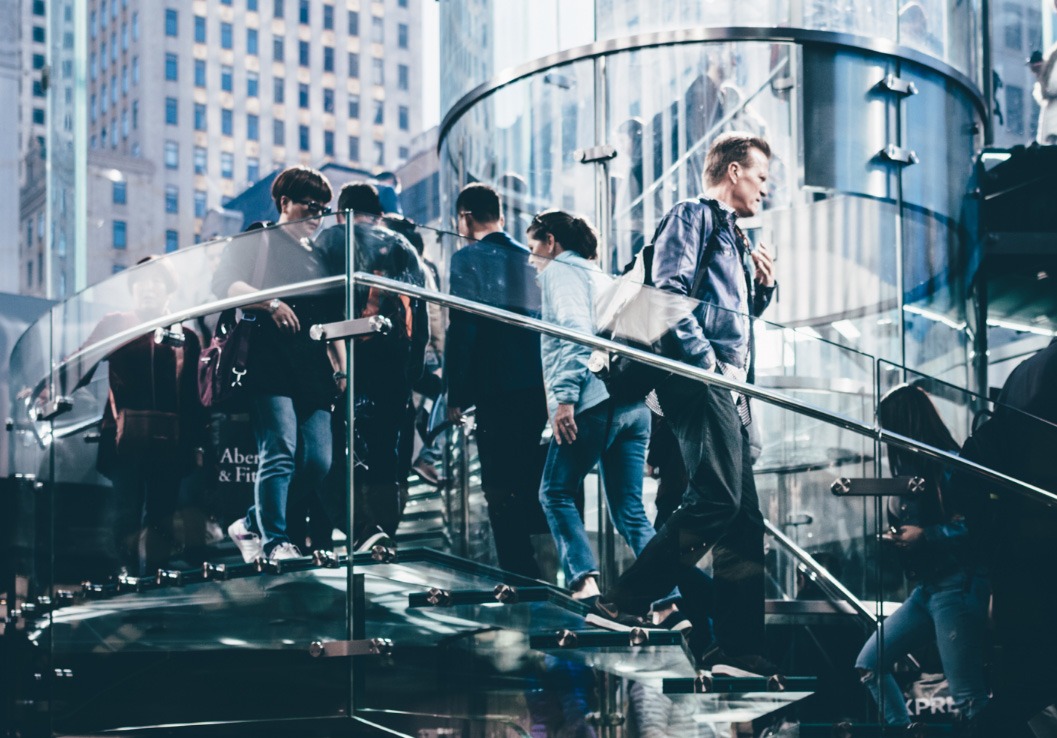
720, 510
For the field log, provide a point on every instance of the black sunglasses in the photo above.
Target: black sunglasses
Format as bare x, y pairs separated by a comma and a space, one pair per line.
313, 207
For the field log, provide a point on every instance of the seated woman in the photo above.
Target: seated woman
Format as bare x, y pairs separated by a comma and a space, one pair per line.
588, 426
950, 596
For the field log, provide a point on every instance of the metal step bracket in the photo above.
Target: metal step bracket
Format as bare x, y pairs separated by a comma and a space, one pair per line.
897, 85
350, 328
365, 647
870, 487
898, 155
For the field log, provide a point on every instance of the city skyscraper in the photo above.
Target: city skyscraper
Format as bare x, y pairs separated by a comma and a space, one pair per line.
188, 103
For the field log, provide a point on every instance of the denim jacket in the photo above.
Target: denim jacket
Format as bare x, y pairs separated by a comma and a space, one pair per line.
718, 329
568, 284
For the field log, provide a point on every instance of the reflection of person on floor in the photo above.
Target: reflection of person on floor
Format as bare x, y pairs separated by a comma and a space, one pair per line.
153, 422
497, 368
291, 379
950, 595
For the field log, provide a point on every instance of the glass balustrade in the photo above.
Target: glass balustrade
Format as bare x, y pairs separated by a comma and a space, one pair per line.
129, 569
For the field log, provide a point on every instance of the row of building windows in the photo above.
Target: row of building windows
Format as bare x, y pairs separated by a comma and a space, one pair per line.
227, 33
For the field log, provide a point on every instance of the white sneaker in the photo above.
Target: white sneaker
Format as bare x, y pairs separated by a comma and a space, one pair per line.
249, 544
283, 551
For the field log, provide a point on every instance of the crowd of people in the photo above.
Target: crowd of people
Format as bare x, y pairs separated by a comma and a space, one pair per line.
517, 383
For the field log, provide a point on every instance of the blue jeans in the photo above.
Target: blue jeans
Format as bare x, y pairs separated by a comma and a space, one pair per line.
620, 446
293, 447
952, 610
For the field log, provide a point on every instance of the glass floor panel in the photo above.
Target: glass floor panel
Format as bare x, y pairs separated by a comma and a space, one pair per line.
664, 656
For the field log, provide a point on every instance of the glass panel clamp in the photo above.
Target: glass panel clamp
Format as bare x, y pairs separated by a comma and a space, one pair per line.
868, 487
350, 328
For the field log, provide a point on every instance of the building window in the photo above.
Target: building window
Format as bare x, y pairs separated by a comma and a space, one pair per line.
38, 116
226, 36
403, 152
278, 49
402, 3
227, 122
253, 169
377, 29
302, 95
171, 111
253, 127
354, 106
302, 138
120, 192
278, 133
172, 155
328, 58
378, 71
354, 148
172, 199
251, 41
120, 234
227, 78
354, 66
135, 70
278, 9
302, 53
328, 17
227, 164
135, 115
171, 67
1015, 109
200, 160
172, 241
172, 22
252, 84
403, 117
200, 73
328, 143
251, 5
279, 90
401, 35
328, 100
403, 76
379, 112
304, 14
200, 29
200, 204
379, 153
200, 117
135, 26
38, 34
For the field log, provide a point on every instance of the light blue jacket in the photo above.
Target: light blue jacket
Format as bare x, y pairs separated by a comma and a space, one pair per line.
568, 285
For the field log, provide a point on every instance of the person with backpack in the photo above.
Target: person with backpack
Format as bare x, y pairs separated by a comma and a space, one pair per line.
699, 252
385, 367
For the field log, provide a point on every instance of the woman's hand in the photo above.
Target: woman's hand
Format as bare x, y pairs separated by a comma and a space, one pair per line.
564, 424
908, 536
286, 319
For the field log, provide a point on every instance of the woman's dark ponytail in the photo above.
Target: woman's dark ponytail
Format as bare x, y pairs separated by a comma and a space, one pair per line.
573, 232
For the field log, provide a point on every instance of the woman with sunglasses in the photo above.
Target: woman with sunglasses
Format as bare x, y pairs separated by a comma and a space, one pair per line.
588, 426
291, 380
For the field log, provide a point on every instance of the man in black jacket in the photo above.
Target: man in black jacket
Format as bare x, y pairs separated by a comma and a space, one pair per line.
699, 248
496, 367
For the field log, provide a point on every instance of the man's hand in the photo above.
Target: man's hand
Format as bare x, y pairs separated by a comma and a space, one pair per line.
761, 259
454, 414
564, 424
286, 320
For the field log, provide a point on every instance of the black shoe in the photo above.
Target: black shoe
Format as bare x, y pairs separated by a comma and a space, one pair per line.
371, 537
745, 666
675, 620
606, 615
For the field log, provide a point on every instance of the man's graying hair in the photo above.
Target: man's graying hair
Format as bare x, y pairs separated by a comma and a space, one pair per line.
731, 148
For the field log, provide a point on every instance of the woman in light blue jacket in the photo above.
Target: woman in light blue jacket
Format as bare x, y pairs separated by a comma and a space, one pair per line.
588, 427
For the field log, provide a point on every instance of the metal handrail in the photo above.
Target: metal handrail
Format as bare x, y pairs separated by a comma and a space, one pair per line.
873, 432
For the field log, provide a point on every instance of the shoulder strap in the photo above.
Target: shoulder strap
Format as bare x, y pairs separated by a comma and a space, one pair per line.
708, 244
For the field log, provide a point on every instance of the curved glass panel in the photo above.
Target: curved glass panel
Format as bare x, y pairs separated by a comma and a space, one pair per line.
483, 39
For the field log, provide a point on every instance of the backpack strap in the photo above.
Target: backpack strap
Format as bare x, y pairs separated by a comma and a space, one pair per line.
709, 243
